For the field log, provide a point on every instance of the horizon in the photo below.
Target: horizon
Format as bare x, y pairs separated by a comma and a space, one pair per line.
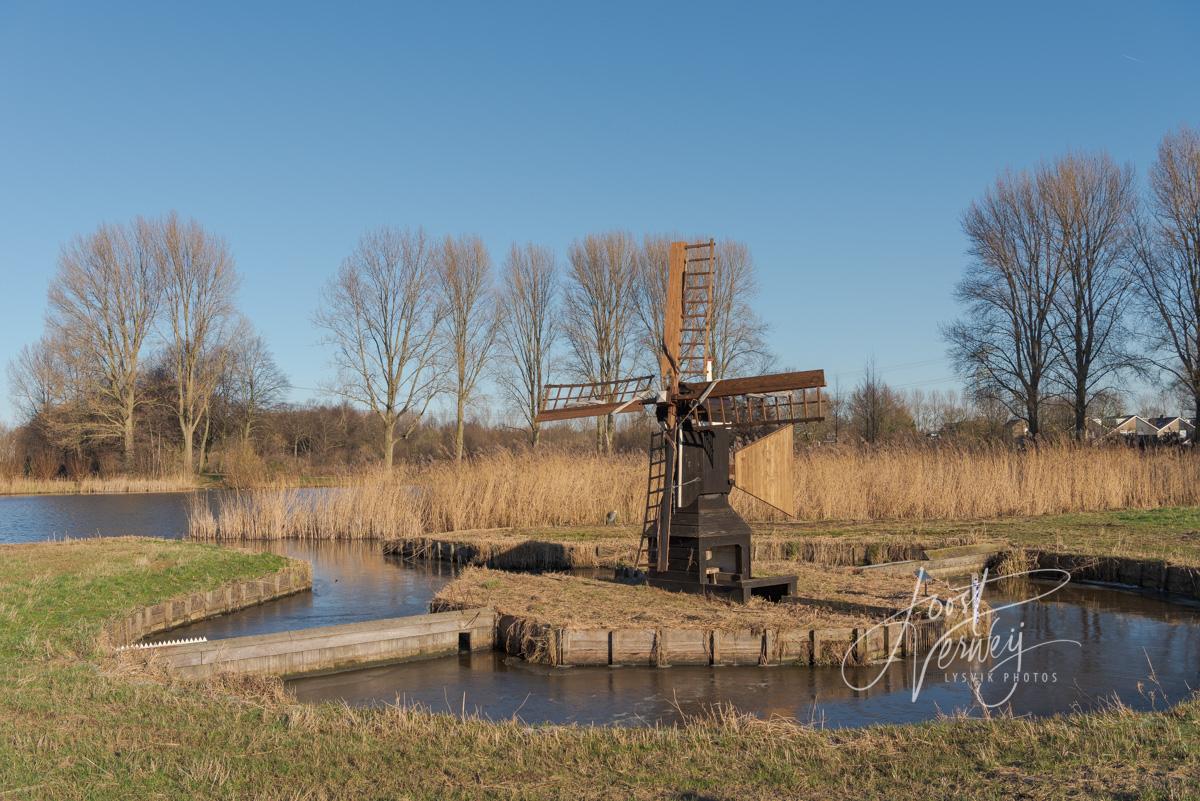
840, 145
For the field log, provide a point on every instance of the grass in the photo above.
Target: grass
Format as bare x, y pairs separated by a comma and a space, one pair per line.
19, 485
72, 727
1171, 533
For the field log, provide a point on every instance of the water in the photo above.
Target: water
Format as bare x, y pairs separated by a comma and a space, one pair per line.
352, 581
1124, 637
1134, 646
29, 518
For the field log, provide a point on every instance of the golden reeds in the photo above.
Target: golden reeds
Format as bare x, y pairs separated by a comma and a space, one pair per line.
566, 489
19, 485
504, 490
959, 483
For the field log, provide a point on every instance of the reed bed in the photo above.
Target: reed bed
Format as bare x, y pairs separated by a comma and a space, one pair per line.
959, 483
519, 549
499, 491
19, 485
557, 489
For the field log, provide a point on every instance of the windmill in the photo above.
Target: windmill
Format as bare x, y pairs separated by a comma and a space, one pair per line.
692, 539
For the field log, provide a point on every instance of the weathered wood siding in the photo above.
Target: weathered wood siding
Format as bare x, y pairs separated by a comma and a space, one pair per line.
765, 469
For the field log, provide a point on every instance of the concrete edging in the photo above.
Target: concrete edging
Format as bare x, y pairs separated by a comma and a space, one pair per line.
329, 649
229, 597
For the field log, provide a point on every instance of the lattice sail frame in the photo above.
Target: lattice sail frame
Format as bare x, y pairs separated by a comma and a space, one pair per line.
775, 408
566, 401
695, 326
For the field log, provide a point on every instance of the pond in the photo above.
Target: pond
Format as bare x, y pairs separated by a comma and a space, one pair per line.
1134, 646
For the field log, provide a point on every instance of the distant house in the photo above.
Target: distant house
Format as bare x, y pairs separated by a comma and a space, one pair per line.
1131, 426
1166, 425
1179, 428
1094, 428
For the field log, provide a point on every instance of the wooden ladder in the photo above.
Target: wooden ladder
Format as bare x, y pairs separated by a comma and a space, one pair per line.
656, 485
699, 268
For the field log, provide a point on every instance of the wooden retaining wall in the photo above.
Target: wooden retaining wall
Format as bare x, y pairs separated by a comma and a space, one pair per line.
332, 648
662, 647
230, 597
535, 554
1151, 574
507, 555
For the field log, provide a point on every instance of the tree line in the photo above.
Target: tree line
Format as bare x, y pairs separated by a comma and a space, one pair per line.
1079, 280
146, 364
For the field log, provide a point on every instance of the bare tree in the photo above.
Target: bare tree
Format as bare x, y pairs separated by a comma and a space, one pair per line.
103, 301
35, 379
599, 306
1090, 204
1004, 346
1168, 261
253, 381
199, 280
381, 313
876, 410
528, 329
653, 262
936, 411
465, 281
738, 336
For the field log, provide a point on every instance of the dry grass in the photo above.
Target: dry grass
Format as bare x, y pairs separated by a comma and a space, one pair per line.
959, 484
73, 730
551, 489
565, 489
19, 485
564, 600
524, 549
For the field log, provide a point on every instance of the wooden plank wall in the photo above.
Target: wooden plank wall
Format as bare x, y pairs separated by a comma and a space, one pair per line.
766, 469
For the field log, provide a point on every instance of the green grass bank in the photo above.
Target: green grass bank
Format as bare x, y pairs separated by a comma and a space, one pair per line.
75, 725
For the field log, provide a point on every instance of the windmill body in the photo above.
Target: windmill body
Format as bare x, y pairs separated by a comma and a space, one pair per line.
692, 539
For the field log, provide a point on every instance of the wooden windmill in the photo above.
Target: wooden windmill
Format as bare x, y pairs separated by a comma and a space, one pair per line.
692, 539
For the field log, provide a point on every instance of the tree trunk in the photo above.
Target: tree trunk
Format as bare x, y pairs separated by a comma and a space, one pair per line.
458, 431
389, 442
189, 434
1196, 406
608, 425
1080, 413
1032, 423
535, 434
128, 449
204, 444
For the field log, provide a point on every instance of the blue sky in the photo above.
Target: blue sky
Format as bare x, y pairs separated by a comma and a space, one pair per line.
841, 143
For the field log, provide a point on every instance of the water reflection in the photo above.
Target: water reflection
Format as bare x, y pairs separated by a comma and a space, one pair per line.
352, 582
1126, 638
32, 518
1122, 634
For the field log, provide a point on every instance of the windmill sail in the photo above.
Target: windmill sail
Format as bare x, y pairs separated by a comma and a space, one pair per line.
567, 401
756, 409
686, 353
